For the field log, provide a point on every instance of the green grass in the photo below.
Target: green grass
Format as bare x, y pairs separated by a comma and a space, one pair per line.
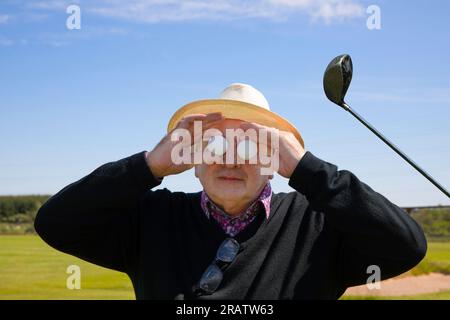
436, 260
30, 269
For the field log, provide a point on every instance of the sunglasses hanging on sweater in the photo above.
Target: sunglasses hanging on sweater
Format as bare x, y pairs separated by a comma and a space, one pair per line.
213, 275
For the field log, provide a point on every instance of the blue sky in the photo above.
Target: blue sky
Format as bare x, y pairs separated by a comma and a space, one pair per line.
71, 100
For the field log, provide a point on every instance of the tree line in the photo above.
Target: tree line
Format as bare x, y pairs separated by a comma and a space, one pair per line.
17, 213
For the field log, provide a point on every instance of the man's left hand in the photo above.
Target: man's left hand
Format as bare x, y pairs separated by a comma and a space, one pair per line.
289, 148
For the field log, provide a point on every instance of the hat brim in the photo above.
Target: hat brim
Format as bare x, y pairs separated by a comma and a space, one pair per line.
234, 109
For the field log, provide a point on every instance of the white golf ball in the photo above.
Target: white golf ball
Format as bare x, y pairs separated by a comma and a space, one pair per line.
247, 149
217, 145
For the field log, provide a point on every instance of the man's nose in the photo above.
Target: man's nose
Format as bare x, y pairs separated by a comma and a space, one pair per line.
230, 159
231, 165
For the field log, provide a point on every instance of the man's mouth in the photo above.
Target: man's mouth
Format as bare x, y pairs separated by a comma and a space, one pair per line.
230, 178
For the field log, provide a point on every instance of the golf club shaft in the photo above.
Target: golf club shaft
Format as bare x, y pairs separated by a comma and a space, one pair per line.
393, 147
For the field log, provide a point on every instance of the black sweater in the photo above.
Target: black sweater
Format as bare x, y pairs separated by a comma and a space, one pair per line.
319, 239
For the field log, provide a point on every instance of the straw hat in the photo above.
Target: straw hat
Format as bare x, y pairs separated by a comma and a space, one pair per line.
238, 101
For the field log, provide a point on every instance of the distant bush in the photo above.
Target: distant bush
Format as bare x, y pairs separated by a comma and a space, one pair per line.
16, 228
435, 222
17, 213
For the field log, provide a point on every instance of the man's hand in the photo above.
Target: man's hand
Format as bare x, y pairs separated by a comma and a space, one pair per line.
289, 148
159, 159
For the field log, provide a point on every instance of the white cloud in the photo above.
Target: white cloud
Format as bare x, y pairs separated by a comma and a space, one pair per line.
153, 11
331, 10
159, 11
324, 10
4, 18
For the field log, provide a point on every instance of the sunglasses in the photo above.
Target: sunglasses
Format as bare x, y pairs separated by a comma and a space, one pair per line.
213, 276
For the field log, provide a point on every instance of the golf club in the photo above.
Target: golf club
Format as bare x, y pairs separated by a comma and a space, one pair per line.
336, 81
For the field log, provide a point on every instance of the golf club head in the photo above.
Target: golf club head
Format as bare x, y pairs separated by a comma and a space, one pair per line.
337, 78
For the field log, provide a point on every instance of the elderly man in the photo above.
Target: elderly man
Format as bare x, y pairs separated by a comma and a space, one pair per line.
236, 239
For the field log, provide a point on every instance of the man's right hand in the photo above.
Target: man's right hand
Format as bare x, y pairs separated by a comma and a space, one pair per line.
159, 159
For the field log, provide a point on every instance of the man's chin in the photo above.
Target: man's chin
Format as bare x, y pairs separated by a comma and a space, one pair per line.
230, 193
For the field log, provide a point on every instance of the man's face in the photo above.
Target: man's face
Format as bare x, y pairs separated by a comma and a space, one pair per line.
231, 182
